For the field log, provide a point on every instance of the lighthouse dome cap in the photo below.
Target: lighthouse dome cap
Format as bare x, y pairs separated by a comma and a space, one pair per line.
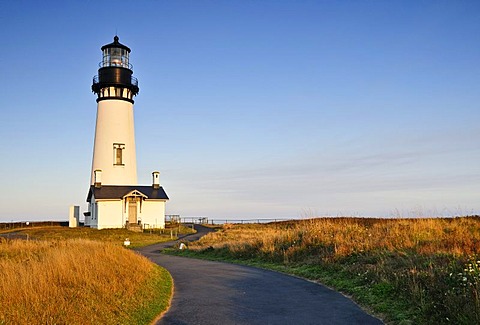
116, 44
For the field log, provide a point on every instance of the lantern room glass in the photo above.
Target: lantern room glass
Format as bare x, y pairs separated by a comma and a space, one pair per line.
116, 57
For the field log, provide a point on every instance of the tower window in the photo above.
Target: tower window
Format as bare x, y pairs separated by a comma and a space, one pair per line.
118, 158
118, 154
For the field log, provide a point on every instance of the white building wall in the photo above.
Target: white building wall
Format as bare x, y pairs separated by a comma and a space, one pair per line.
153, 214
112, 214
115, 124
109, 214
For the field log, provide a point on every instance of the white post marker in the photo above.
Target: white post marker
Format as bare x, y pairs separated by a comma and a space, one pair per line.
126, 243
182, 246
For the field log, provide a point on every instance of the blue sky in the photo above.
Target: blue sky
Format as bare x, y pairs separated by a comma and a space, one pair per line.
251, 109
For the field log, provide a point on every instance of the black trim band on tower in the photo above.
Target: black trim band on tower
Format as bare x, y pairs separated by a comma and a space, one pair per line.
115, 77
99, 99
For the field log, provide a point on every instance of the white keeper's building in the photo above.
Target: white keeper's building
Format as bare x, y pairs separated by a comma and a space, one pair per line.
115, 200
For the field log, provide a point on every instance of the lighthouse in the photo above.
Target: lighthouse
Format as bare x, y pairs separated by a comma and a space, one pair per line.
115, 199
114, 158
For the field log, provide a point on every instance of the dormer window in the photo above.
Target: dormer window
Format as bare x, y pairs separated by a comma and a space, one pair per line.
118, 154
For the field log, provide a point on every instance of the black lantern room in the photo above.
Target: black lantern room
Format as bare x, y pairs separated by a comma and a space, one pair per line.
114, 79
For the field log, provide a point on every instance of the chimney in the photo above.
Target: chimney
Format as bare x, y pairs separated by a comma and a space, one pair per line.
156, 180
98, 178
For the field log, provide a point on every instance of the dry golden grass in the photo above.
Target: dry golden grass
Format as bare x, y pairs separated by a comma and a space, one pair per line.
339, 237
71, 282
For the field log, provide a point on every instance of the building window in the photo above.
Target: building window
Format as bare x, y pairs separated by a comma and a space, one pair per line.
118, 154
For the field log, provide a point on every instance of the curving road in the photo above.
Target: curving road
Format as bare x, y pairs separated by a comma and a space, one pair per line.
220, 293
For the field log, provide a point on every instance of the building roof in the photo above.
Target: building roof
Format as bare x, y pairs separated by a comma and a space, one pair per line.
119, 191
117, 44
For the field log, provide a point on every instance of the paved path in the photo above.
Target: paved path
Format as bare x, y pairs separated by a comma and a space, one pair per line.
14, 235
220, 293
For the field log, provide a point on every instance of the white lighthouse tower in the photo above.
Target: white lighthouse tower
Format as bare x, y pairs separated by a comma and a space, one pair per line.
114, 158
115, 199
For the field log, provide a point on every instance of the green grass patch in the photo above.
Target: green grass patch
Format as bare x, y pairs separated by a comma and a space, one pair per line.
153, 298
